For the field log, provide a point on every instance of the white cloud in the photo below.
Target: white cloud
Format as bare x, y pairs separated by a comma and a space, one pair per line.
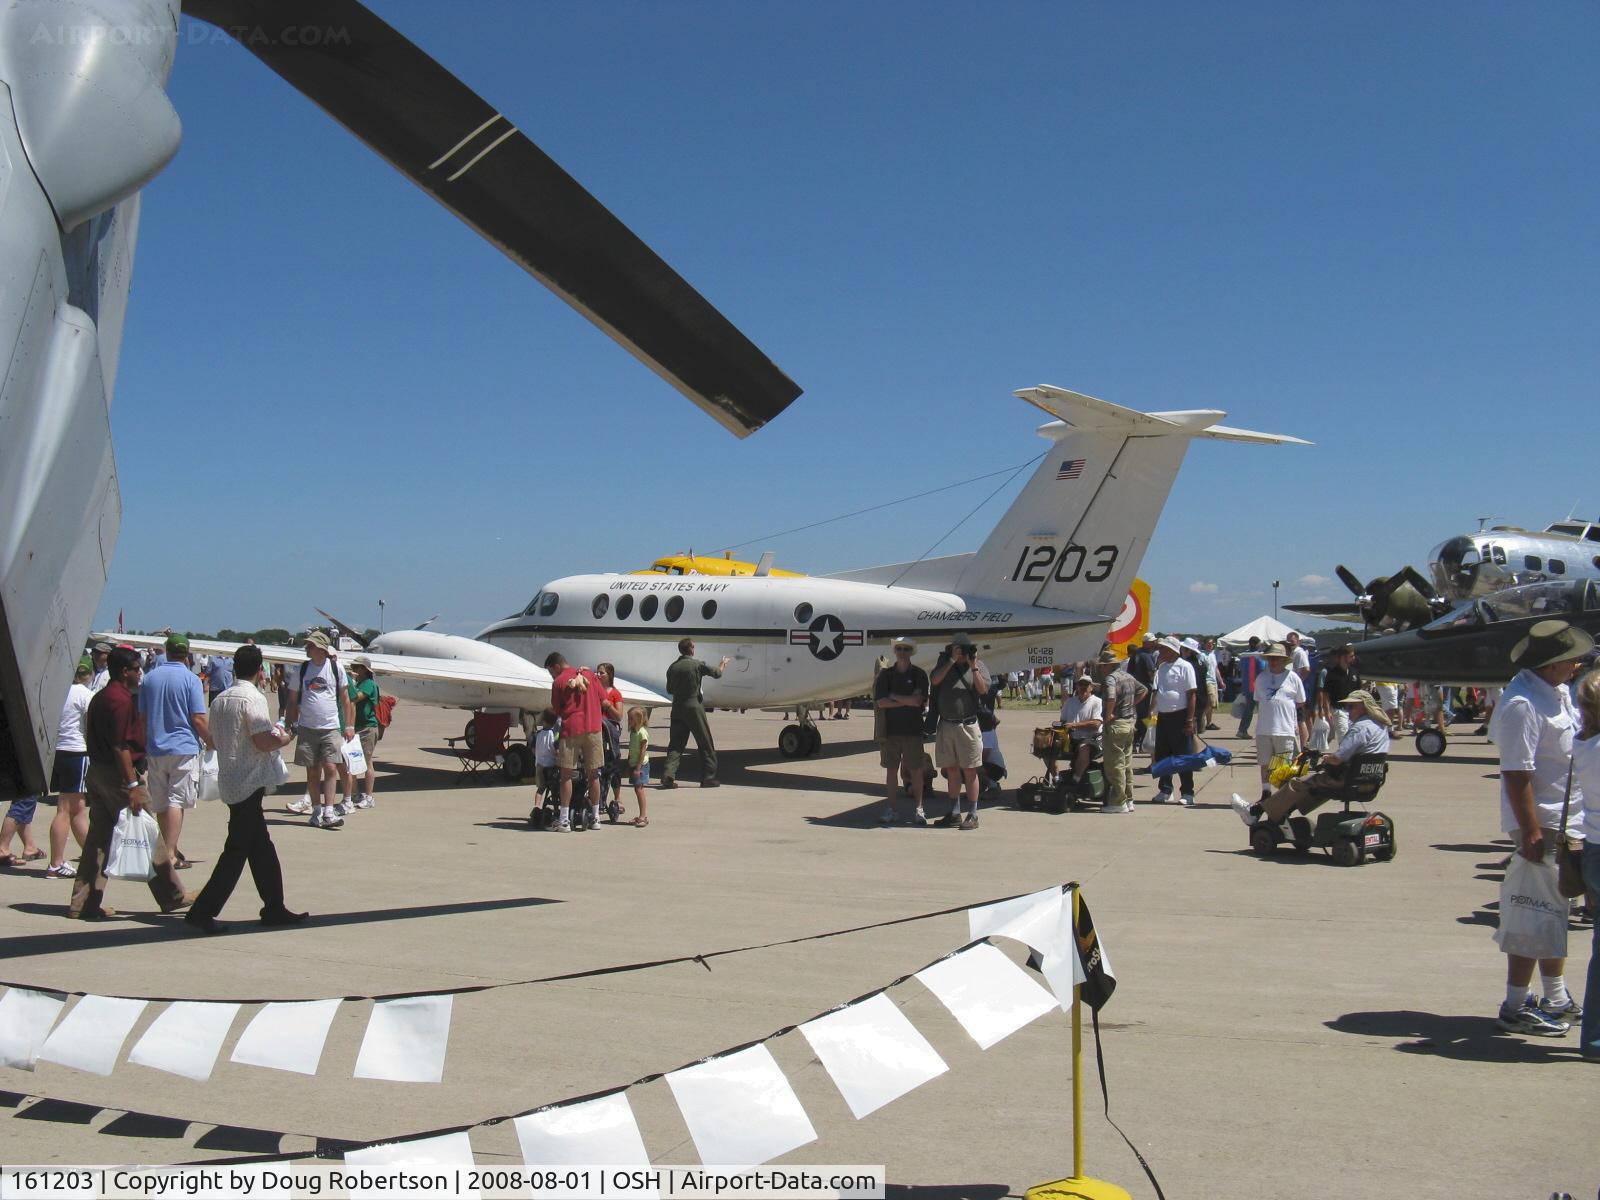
1313, 581
1200, 588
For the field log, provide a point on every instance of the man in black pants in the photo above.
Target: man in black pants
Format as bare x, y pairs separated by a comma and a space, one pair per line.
1175, 695
246, 741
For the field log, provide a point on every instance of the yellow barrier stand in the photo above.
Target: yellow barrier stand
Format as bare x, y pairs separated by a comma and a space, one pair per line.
1077, 1186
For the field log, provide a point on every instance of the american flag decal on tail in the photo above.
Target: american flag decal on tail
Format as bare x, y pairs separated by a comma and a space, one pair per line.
1071, 468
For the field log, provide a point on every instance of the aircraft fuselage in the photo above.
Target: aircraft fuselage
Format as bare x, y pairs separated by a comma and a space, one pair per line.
790, 641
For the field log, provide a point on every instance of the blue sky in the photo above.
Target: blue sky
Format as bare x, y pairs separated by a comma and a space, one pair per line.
1369, 225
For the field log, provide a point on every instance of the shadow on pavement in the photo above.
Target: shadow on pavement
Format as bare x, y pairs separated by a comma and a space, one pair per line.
1288, 858
1471, 847
1468, 1039
141, 928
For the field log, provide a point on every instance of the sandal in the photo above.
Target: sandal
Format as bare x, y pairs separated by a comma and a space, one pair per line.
9, 860
639, 822
35, 856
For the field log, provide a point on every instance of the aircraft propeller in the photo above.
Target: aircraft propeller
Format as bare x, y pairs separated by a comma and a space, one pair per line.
1403, 600
468, 156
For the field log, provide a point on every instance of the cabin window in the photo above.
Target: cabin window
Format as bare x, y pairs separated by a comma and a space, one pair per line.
601, 603
1592, 533
547, 603
1532, 562
1499, 553
647, 608
708, 610
802, 614
674, 607
1558, 566
624, 607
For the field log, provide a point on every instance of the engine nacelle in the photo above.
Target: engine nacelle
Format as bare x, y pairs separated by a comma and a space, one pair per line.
88, 83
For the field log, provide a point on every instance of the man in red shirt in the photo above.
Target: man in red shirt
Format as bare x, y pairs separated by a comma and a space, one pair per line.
114, 734
576, 694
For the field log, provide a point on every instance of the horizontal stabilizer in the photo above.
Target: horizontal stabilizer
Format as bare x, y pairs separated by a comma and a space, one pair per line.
1089, 413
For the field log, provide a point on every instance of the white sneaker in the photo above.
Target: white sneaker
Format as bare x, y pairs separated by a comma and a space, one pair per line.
364, 801
563, 825
343, 809
301, 806
1186, 800
331, 819
1125, 807
316, 818
1242, 806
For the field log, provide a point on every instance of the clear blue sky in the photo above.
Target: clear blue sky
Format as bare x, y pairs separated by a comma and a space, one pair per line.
1367, 224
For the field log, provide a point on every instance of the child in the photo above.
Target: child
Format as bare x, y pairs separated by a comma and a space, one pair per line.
638, 759
19, 823
544, 752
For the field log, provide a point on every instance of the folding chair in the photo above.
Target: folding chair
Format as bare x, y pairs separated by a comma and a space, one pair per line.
486, 745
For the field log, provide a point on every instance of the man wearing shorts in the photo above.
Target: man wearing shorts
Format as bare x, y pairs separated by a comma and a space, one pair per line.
319, 712
364, 698
576, 694
901, 693
962, 681
173, 705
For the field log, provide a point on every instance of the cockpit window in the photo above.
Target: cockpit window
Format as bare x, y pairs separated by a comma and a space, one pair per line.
1499, 553
1592, 533
533, 605
1461, 617
547, 603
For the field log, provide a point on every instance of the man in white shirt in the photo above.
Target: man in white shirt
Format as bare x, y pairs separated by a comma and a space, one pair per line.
1300, 664
247, 742
1175, 700
1533, 728
1081, 717
1280, 697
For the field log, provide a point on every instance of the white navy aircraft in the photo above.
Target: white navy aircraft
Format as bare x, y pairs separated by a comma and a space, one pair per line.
1043, 588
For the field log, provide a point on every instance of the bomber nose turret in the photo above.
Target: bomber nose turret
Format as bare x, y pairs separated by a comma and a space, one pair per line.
1455, 567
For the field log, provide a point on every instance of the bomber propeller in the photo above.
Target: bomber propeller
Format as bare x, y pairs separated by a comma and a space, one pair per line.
1403, 600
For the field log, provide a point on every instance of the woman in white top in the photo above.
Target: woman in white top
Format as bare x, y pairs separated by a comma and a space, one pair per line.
67, 775
1279, 698
1586, 779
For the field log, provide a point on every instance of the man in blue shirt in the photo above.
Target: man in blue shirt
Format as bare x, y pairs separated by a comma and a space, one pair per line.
173, 706
219, 678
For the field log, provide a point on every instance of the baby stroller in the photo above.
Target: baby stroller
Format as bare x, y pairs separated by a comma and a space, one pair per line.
1056, 791
546, 811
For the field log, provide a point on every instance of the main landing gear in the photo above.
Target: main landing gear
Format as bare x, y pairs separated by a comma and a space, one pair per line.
802, 739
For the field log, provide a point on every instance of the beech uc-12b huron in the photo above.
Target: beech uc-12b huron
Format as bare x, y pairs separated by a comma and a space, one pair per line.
1042, 588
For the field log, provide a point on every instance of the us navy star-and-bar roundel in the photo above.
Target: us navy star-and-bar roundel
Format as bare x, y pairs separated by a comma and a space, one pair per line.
827, 637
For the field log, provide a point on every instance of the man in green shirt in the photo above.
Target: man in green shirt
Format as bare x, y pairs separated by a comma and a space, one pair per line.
689, 714
364, 698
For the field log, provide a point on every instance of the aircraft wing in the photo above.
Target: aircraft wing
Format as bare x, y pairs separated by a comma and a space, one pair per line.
1341, 610
442, 682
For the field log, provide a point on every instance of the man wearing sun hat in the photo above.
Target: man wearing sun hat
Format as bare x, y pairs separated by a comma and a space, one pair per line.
1368, 734
1533, 727
321, 716
1122, 695
1175, 692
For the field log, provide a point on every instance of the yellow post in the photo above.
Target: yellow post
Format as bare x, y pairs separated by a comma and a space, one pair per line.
1077, 1186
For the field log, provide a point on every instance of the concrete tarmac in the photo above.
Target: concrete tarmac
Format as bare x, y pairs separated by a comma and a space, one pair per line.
1281, 1028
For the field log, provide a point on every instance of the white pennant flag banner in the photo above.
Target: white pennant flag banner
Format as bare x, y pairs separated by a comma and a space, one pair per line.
989, 994
447, 1150
740, 1108
90, 1036
873, 1053
406, 1040
287, 1035
25, 1020
596, 1131
186, 1038
1030, 920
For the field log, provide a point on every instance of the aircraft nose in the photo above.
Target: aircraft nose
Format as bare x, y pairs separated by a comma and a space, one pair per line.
1457, 561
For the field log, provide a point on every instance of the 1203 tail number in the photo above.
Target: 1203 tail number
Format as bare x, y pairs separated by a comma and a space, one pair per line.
1065, 564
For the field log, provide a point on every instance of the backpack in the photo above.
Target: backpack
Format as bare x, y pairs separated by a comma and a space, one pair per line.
385, 711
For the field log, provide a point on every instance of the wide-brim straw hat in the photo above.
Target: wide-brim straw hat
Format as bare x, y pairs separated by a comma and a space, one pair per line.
1370, 702
1551, 642
1276, 650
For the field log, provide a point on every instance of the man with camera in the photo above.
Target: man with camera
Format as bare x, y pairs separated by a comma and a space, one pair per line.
961, 682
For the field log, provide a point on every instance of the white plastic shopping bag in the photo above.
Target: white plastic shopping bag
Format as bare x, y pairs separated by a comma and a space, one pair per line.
208, 776
355, 757
1319, 735
280, 769
133, 847
1533, 912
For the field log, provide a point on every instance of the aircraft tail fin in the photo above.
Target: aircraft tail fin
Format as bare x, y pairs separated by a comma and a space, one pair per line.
1076, 534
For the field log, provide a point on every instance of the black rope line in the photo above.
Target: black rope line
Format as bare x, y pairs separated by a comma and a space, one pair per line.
772, 537
1105, 1095
1017, 471
591, 973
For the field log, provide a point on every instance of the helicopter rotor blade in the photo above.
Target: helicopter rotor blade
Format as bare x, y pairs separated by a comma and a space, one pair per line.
471, 158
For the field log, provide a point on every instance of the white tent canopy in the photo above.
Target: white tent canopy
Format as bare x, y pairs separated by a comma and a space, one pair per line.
1268, 629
